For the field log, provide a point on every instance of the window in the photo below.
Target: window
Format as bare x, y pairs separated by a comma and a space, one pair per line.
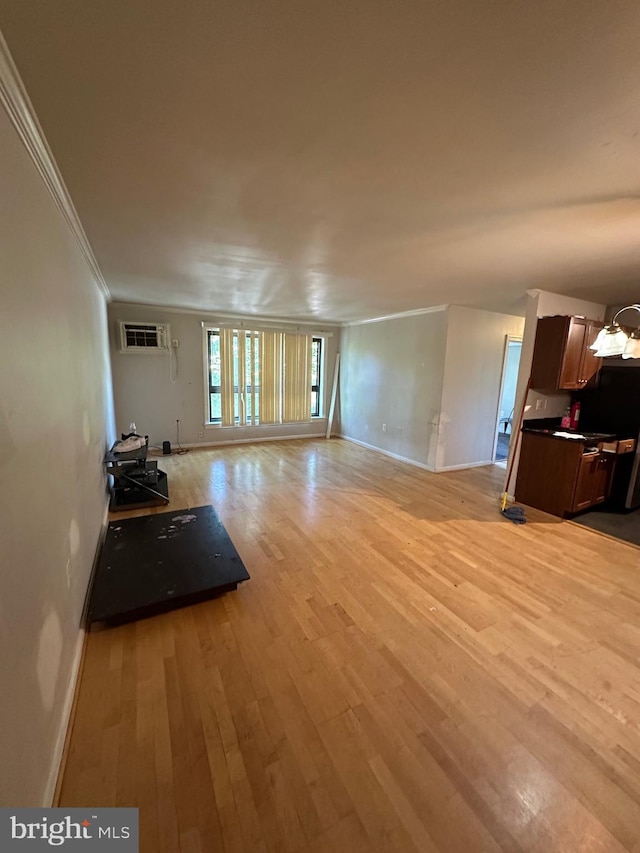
287, 364
316, 372
246, 393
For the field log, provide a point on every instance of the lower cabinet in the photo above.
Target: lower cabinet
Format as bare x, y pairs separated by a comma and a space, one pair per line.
560, 476
594, 480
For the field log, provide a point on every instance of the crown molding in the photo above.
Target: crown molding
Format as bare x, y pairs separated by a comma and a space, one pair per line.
222, 317
207, 316
433, 310
15, 100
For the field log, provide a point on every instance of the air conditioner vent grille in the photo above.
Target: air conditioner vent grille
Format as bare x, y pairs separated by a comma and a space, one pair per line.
143, 337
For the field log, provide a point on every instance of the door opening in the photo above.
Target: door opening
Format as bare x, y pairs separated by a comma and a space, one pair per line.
507, 400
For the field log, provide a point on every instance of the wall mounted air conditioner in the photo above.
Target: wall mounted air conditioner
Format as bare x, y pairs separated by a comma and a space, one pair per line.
143, 337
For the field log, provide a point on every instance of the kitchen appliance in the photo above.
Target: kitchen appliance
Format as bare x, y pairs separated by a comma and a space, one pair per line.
614, 406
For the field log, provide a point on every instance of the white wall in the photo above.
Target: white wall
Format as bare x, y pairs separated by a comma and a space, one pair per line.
447, 364
471, 387
55, 416
391, 373
144, 393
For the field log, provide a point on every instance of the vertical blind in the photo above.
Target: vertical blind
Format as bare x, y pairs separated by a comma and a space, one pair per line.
265, 377
296, 404
226, 377
270, 377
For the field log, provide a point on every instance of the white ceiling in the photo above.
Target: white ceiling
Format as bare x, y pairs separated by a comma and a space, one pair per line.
344, 160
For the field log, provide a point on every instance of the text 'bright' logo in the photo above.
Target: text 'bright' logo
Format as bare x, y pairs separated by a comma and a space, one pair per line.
41, 829
56, 832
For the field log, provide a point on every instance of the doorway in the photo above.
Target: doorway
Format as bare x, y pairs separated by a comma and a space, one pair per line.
507, 400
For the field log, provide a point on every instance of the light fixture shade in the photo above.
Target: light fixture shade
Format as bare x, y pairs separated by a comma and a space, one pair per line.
613, 342
602, 334
632, 348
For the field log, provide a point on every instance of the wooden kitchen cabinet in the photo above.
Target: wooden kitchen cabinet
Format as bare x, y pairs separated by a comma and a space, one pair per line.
559, 477
603, 477
593, 484
586, 481
562, 360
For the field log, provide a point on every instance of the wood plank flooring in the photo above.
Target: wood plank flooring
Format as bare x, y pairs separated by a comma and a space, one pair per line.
405, 671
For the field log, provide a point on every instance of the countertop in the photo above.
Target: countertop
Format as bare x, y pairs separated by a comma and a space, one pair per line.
574, 435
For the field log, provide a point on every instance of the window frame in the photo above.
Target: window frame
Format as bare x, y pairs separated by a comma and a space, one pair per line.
320, 370
217, 389
316, 414
209, 388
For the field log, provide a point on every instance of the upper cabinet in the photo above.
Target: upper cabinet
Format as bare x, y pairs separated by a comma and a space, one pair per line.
562, 360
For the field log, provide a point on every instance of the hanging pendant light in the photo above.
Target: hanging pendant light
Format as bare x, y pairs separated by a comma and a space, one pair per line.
632, 347
613, 340
610, 341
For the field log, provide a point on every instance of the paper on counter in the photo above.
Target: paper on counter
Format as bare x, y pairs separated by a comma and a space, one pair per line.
569, 435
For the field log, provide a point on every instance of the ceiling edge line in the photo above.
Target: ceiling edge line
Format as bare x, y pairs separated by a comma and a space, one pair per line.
432, 310
213, 316
15, 100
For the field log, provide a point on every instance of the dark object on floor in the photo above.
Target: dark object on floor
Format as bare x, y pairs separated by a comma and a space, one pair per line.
160, 562
166, 448
502, 447
515, 514
137, 482
622, 525
140, 487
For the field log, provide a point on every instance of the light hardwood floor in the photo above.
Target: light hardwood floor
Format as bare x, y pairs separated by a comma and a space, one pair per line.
405, 671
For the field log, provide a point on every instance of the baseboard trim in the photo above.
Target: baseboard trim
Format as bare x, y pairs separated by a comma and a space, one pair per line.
54, 784
414, 462
61, 753
396, 456
248, 440
463, 467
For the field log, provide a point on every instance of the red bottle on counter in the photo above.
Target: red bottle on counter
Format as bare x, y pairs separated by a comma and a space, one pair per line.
574, 416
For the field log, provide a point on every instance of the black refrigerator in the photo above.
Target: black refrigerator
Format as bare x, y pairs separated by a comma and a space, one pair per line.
614, 406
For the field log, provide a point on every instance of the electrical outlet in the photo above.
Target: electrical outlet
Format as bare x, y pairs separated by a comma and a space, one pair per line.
384, 427
201, 433
540, 404
175, 343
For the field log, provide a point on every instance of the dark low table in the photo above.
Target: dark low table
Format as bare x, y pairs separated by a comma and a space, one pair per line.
159, 562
